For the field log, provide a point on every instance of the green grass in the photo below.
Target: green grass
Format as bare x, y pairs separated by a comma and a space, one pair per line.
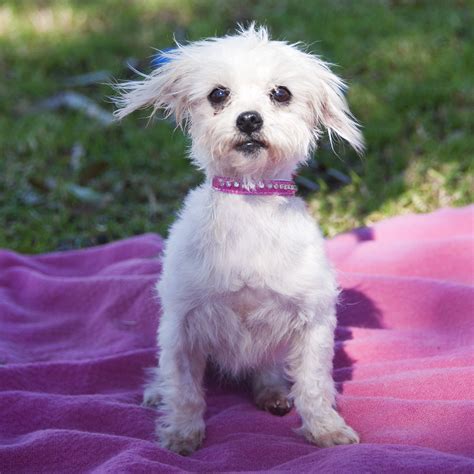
409, 65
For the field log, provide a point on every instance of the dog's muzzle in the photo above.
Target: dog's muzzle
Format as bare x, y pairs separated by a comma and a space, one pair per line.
250, 123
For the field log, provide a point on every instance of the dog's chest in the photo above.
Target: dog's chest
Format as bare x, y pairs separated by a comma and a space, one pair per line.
252, 262
248, 326
254, 244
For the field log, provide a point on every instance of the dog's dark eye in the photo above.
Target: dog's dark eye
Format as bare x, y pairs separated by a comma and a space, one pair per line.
218, 95
281, 94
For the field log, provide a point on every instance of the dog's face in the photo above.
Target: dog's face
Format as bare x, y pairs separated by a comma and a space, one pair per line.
254, 108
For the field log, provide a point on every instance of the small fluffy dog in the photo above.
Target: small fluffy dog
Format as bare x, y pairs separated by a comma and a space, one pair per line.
245, 282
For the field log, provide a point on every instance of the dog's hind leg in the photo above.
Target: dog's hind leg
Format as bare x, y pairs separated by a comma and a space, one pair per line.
151, 394
271, 390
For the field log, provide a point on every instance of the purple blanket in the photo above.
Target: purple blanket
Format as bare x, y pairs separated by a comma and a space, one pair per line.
77, 330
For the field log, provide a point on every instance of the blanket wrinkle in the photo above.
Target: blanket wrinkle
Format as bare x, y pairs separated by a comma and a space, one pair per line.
77, 331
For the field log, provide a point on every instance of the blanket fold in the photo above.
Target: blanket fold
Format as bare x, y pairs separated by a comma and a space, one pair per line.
77, 330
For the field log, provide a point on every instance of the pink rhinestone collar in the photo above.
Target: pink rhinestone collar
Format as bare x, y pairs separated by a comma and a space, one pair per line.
264, 187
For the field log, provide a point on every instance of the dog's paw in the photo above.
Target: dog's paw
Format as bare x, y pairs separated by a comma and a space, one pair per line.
326, 439
330, 431
151, 397
179, 442
274, 402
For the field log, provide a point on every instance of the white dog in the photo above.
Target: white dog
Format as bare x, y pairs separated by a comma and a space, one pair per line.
245, 282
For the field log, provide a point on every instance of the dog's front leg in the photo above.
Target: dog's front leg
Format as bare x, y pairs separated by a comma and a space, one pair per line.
179, 385
310, 366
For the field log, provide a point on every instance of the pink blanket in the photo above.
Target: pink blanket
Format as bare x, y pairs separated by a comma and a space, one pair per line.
78, 328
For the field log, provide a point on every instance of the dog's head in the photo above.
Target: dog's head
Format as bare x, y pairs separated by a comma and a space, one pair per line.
253, 107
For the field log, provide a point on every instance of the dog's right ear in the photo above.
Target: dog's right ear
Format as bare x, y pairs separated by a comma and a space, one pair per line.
163, 89
331, 110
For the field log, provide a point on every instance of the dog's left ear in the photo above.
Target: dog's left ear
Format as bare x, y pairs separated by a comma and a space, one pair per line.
330, 106
165, 88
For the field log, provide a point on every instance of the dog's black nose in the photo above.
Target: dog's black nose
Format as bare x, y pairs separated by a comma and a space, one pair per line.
249, 122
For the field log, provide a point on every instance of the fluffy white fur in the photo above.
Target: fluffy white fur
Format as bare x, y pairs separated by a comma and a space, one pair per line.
245, 280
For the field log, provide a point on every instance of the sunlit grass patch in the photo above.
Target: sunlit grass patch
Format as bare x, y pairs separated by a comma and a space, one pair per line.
42, 20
